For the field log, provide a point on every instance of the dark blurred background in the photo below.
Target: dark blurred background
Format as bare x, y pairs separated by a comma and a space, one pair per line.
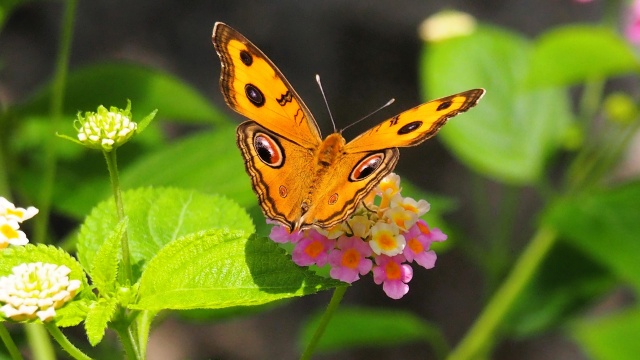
366, 53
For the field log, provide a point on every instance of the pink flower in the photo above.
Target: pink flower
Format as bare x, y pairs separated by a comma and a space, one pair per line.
312, 249
350, 261
632, 26
280, 234
393, 275
419, 239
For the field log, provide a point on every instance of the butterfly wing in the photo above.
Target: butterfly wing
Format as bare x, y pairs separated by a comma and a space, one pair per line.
415, 125
254, 87
279, 169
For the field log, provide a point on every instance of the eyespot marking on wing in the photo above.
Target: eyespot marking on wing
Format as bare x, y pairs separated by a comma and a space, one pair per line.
246, 57
366, 167
255, 96
282, 191
269, 150
410, 127
445, 105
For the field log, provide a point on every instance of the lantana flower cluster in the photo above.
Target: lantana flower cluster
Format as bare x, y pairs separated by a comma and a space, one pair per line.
105, 129
382, 239
36, 290
32, 290
10, 219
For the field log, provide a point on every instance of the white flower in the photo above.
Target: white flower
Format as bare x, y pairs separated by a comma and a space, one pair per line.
36, 290
106, 129
11, 212
389, 186
385, 239
10, 233
403, 219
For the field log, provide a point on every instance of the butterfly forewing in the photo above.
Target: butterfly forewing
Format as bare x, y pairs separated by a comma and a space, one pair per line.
415, 125
254, 87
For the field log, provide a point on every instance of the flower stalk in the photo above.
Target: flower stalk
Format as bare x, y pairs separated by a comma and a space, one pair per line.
112, 164
9, 344
482, 334
65, 343
336, 298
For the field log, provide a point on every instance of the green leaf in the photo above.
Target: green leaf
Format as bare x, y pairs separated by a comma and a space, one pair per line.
157, 217
366, 327
208, 162
513, 130
73, 313
221, 268
577, 53
610, 338
142, 124
111, 84
104, 269
228, 313
605, 225
98, 317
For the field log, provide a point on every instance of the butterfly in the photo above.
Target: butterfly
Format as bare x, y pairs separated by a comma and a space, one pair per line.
300, 179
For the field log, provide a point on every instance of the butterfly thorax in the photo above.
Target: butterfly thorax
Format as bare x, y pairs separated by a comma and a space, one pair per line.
330, 150
326, 156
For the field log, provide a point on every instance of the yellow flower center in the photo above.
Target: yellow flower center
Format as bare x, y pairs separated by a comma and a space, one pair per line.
386, 240
8, 231
17, 212
410, 207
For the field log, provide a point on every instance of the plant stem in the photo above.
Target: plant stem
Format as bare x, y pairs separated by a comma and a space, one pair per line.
612, 152
499, 241
144, 320
39, 342
57, 97
127, 342
9, 344
338, 293
112, 165
481, 335
584, 161
65, 343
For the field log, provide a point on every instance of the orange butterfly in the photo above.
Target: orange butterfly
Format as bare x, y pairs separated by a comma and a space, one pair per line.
300, 179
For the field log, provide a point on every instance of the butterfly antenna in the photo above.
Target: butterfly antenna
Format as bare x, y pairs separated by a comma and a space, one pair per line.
371, 113
326, 102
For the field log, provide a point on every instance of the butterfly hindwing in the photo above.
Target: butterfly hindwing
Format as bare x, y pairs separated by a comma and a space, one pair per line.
278, 168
